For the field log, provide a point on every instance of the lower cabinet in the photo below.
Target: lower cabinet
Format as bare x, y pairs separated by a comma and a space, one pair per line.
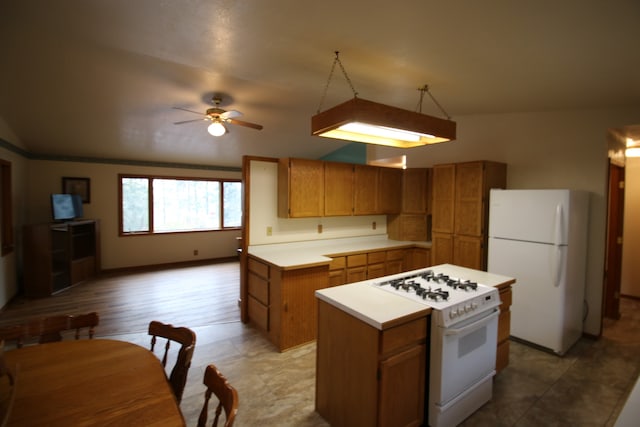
369, 377
504, 329
282, 302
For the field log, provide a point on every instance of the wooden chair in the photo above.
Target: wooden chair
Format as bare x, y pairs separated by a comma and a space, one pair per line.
50, 329
227, 396
187, 339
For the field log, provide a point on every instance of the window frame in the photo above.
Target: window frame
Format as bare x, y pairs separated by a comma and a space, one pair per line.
150, 179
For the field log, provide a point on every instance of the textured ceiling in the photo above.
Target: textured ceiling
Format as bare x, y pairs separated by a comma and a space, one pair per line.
100, 78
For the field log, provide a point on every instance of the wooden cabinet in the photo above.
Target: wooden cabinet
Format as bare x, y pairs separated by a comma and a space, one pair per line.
365, 190
314, 188
369, 377
389, 190
338, 271
504, 329
57, 256
282, 302
300, 188
416, 197
338, 184
413, 221
461, 211
416, 258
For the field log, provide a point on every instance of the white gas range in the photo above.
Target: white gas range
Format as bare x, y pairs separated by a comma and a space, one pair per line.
464, 329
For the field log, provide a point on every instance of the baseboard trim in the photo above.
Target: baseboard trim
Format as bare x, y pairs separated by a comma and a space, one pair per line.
166, 266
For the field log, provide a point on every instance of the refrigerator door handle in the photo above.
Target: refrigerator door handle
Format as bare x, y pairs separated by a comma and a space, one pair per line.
557, 241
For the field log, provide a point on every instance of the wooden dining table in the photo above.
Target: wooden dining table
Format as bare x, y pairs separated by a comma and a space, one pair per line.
91, 382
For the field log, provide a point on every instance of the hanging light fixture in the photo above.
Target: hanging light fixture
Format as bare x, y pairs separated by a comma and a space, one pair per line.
217, 128
369, 122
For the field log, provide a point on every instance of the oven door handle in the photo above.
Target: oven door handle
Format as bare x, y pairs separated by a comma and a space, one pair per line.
481, 321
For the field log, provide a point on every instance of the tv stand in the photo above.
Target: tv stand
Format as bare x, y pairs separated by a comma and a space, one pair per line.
59, 255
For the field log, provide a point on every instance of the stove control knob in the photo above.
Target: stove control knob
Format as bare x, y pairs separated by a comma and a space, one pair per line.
474, 305
452, 314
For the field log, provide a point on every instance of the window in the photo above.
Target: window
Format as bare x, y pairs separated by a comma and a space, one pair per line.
168, 205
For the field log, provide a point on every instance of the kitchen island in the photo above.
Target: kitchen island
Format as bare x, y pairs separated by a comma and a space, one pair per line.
372, 351
281, 279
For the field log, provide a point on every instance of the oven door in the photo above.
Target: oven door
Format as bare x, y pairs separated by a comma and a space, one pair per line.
462, 355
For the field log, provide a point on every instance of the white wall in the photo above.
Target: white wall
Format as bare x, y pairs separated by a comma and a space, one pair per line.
630, 281
45, 177
263, 213
558, 149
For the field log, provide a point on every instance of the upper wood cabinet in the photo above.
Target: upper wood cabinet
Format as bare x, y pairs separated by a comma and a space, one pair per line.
416, 196
338, 184
365, 190
315, 188
443, 192
389, 190
461, 211
300, 188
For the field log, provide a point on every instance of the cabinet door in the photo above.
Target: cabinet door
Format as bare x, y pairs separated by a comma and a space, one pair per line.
365, 190
338, 185
469, 199
300, 188
402, 382
415, 191
468, 252
443, 191
442, 248
389, 190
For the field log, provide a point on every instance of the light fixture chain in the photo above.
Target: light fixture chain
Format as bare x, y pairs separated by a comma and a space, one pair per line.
326, 88
424, 89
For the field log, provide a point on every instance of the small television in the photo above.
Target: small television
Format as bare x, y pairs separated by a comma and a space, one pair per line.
65, 207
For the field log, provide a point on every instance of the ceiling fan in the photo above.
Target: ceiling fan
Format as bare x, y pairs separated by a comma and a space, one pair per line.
218, 117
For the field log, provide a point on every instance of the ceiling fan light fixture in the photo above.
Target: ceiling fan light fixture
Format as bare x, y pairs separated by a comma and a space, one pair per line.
369, 122
216, 129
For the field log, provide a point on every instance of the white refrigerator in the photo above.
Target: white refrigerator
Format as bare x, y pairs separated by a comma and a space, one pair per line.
539, 237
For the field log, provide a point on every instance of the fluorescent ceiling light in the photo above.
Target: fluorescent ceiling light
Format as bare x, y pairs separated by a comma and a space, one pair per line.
373, 123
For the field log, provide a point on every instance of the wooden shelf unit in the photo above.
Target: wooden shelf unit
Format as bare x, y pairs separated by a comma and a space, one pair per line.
59, 255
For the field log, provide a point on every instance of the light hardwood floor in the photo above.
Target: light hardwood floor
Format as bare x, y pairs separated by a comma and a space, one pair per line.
586, 387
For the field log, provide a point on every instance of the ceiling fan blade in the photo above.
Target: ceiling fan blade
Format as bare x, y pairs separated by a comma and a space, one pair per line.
190, 111
190, 121
242, 123
230, 114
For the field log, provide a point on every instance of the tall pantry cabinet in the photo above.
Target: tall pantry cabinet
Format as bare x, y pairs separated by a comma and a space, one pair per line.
460, 210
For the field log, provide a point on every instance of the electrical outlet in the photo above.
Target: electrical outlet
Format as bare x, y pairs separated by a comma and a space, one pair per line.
373, 225
269, 231
319, 228
195, 252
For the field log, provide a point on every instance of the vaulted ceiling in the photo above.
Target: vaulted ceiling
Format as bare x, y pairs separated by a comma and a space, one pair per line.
101, 78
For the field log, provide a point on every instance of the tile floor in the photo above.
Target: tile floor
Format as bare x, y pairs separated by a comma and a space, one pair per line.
586, 387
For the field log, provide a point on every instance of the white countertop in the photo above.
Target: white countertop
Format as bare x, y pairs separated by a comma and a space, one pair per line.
288, 255
382, 309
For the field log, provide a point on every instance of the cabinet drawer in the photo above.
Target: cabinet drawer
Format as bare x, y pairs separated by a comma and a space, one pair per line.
403, 335
376, 257
258, 313
260, 268
259, 288
337, 263
356, 260
395, 254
